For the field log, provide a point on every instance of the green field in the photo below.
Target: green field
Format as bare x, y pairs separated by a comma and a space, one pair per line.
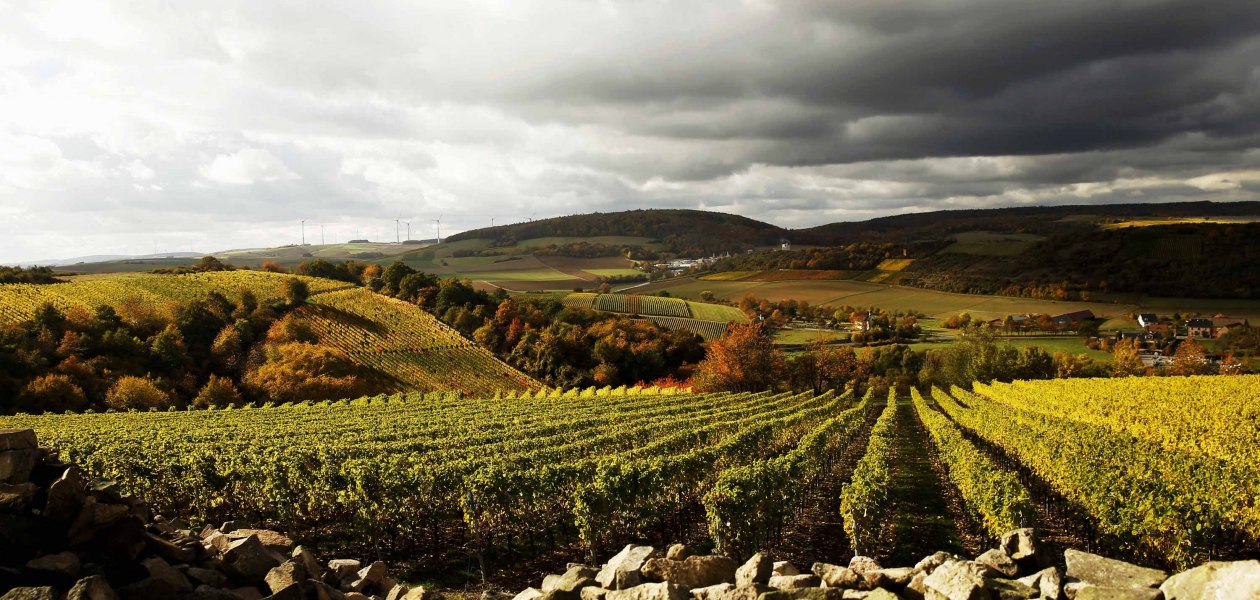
986, 243
716, 312
800, 337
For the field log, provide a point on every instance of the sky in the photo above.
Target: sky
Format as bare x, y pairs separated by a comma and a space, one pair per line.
190, 125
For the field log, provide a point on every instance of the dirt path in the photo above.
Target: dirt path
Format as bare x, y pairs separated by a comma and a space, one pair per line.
927, 514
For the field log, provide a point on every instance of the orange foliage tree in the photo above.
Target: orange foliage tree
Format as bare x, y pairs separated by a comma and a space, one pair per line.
744, 360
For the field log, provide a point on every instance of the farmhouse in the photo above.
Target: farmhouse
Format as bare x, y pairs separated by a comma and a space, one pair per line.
1222, 324
1199, 328
1074, 318
861, 321
1147, 319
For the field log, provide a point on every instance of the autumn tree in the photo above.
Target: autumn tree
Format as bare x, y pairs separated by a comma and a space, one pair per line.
52, 393
743, 360
1125, 361
299, 371
1191, 359
218, 392
296, 292
138, 393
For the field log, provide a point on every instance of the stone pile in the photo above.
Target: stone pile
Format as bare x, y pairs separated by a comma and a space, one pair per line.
65, 537
1021, 567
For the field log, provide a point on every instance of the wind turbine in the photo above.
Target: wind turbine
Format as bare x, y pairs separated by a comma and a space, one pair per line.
303, 232
321, 234
408, 230
396, 240
438, 224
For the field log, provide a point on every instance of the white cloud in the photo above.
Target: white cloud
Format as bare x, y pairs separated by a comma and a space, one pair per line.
247, 166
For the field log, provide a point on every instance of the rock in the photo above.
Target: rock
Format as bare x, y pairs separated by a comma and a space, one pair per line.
625, 569
308, 560
593, 593
1007, 589
371, 578
208, 577
678, 552
16, 465
1020, 544
529, 594
694, 572
357, 596
230, 526
569, 585
16, 497
164, 572
276, 541
957, 580
341, 568
794, 582
916, 589
1215, 581
1049, 581
30, 593
18, 439
248, 593
814, 593
249, 559
783, 567
209, 592
650, 591
712, 592
1094, 592
896, 578
171, 551
999, 561
66, 563
91, 588
285, 575
882, 594
147, 589
929, 563
319, 590
1072, 588
1107, 572
289, 592
862, 564
66, 495
418, 593
836, 576
757, 569
855, 594
396, 592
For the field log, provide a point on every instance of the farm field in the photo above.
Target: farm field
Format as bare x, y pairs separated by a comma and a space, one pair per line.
800, 337
1177, 221
488, 474
707, 320
1051, 344
986, 243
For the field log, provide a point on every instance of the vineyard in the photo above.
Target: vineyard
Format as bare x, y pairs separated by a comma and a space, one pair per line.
406, 344
18, 302
489, 480
706, 320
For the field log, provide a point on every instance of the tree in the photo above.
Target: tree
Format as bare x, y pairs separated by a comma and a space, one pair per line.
708, 296
1125, 361
743, 360
271, 266
296, 292
1191, 359
137, 393
218, 392
52, 393
210, 263
298, 371
169, 348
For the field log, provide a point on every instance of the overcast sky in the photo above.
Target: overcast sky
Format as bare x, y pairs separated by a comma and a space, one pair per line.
208, 125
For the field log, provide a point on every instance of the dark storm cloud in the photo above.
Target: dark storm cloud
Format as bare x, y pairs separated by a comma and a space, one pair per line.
234, 119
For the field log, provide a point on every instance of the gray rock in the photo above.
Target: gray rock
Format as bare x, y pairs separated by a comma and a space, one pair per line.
249, 559
835, 576
319, 590
1107, 572
957, 580
1049, 581
371, 578
285, 574
999, 561
30, 593
164, 572
16, 497
625, 570
916, 589
650, 591
758, 569
712, 592
814, 593
783, 567
341, 568
678, 552
882, 594
66, 563
291, 592
694, 572
16, 465
528, 594
593, 593
795, 582
929, 563
17, 439
1008, 589
147, 589
248, 593
1072, 588
418, 593
208, 577
1215, 581
309, 561
91, 588
1094, 592
66, 495
209, 592
569, 585
895, 578
271, 539
1020, 544
862, 564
